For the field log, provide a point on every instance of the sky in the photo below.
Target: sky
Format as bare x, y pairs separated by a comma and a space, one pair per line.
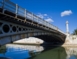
57, 12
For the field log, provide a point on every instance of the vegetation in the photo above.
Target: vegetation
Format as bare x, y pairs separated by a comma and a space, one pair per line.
75, 32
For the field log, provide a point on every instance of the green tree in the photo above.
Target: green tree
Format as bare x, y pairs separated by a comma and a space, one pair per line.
75, 32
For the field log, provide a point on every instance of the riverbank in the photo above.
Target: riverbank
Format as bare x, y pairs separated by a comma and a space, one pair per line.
69, 45
71, 40
29, 41
22, 43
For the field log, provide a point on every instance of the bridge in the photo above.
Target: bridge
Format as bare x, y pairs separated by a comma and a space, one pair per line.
18, 23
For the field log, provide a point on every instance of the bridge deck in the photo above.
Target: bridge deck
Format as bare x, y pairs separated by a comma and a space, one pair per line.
9, 16
12, 9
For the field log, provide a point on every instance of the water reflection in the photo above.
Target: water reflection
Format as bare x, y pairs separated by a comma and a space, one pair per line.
71, 52
30, 48
3, 50
15, 51
56, 53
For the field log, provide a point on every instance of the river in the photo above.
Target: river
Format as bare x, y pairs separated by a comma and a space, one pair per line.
17, 51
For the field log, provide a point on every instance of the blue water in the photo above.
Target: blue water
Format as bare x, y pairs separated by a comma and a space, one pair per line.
15, 51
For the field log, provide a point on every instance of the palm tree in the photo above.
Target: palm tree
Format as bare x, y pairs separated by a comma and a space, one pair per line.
75, 32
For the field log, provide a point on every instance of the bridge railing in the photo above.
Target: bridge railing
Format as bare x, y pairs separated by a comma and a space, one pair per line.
29, 15
10, 6
1, 3
19, 11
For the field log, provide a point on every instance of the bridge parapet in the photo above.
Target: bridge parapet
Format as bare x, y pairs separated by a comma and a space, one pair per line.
23, 14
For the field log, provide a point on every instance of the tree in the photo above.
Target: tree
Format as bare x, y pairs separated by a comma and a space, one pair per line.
75, 32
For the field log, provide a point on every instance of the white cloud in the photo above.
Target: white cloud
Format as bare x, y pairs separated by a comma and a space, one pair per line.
66, 12
40, 15
49, 20
45, 17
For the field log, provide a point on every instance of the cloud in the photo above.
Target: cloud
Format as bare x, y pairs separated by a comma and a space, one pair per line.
66, 12
49, 20
45, 17
40, 15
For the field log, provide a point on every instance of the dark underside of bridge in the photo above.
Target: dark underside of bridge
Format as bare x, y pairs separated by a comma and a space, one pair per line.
51, 40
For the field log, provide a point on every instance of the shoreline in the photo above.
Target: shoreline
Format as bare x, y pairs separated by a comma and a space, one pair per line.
27, 43
71, 45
